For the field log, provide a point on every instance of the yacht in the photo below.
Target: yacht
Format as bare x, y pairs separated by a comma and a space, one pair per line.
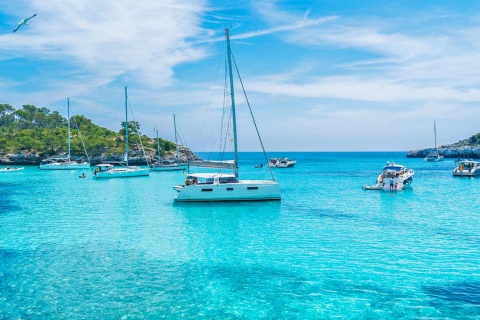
466, 168
281, 163
394, 177
434, 155
218, 186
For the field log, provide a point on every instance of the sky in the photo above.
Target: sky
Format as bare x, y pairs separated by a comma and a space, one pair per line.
320, 75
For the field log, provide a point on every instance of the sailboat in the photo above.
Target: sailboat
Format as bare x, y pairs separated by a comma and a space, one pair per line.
107, 170
57, 163
165, 165
434, 155
226, 186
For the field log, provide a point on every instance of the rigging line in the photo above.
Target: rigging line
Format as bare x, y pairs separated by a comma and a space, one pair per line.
138, 131
79, 134
251, 113
209, 100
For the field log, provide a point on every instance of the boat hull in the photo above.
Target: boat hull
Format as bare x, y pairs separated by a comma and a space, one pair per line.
168, 168
242, 191
121, 173
466, 173
64, 166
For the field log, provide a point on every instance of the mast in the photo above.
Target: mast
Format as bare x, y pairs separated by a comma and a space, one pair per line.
234, 118
158, 146
68, 116
176, 143
126, 128
435, 134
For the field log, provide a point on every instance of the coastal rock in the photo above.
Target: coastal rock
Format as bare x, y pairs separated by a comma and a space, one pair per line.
136, 157
449, 151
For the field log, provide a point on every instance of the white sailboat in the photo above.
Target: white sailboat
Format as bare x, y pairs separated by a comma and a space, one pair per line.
226, 187
58, 163
110, 171
434, 155
168, 165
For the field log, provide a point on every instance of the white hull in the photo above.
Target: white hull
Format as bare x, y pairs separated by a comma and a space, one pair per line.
64, 166
434, 158
467, 168
5, 170
466, 173
169, 168
246, 190
122, 173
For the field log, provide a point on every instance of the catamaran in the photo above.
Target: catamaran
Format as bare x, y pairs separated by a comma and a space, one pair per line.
59, 163
108, 170
168, 165
219, 186
434, 155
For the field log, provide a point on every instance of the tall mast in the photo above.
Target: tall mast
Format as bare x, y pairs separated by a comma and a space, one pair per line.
68, 116
158, 145
126, 128
234, 119
435, 134
176, 143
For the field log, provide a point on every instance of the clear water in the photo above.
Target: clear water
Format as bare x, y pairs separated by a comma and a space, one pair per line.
82, 248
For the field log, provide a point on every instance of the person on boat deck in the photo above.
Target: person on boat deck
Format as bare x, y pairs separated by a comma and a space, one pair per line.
8, 168
195, 180
391, 183
187, 182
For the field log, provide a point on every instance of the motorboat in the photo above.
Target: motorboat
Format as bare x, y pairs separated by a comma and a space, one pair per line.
281, 163
220, 186
466, 168
394, 177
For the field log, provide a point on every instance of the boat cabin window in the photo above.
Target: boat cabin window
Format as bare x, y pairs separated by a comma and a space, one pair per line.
228, 180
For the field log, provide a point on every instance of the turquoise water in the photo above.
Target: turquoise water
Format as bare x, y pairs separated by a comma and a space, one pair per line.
83, 248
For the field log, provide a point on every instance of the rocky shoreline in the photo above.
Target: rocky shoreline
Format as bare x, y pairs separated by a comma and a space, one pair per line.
34, 158
449, 151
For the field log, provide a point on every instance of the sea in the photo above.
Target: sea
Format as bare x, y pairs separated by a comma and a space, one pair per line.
73, 248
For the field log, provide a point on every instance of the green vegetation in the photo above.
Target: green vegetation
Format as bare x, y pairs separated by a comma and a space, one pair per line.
40, 131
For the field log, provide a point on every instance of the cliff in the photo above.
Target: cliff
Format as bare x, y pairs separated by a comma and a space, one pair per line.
468, 148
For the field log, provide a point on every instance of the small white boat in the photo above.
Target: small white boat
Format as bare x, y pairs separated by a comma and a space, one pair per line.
466, 168
168, 165
108, 170
394, 177
8, 169
281, 163
64, 163
434, 155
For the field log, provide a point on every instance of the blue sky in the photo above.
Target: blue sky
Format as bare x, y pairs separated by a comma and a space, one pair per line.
319, 75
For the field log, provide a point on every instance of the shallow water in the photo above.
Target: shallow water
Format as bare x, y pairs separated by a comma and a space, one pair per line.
120, 248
